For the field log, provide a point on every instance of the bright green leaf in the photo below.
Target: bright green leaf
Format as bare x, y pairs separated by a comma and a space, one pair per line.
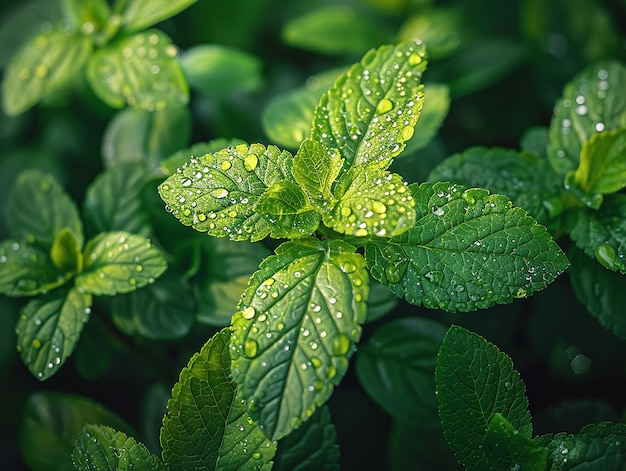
467, 250
216, 193
526, 179
39, 208
179, 158
371, 110
295, 330
43, 65
434, 111
51, 423
119, 262
49, 328
206, 426
475, 381
141, 14
591, 102
601, 234
376, 203
600, 291
216, 70
396, 368
311, 447
141, 71
65, 253
101, 448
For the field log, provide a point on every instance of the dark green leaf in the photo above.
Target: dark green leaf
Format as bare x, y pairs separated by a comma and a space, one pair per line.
334, 30
535, 141
43, 65
295, 330
467, 250
312, 447
216, 70
101, 448
65, 253
380, 302
141, 71
136, 135
592, 102
119, 262
49, 328
51, 423
218, 299
216, 193
141, 14
440, 29
434, 111
371, 111
206, 427
396, 368
601, 234
475, 381
38, 209
600, 291
526, 179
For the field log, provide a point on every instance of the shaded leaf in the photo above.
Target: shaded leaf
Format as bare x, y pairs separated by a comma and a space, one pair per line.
295, 330
441, 30
141, 14
49, 328
467, 250
206, 426
535, 141
380, 302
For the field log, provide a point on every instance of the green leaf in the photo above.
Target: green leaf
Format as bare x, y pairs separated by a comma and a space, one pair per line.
163, 310
467, 250
441, 29
376, 203
475, 381
591, 102
141, 14
396, 368
136, 135
596, 446
526, 179
600, 291
216, 193
508, 449
434, 111
49, 328
113, 202
288, 210
25, 270
371, 110
101, 448
380, 302
535, 141
206, 426
141, 71
601, 234
217, 70
39, 208
44, 64
119, 262
602, 168
51, 423
311, 447
295, 330
334, 30
65, 253
91, 18
172, 163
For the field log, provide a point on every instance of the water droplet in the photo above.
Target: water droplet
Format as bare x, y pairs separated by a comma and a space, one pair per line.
345, 211
226, 165
36, 343
393, 273
316, 362
348, 267
378, 207
341, 344
437, 211
219, 193
250, 348
250, 162
256, 455
607, 256
248, 313
415, 59
508, 385
385, 105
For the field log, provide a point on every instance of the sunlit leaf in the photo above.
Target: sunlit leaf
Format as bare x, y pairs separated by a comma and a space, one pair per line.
91, 18
65, 253
141, 14
179, 158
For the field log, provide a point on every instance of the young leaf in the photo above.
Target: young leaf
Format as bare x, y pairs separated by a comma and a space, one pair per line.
375, 203
475, 381
312, 447
526, 179
119, 262
601, 234
43, 65
206, 427
39, 208
216, 193
90, 18
371, 110
295, 330
65, 253
141, 14
49, 328
591, 102
467, 250
101, 448
140, 71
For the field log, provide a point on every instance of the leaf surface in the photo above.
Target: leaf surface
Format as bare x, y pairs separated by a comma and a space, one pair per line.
295, 330
467, 250
141, 14
434, 112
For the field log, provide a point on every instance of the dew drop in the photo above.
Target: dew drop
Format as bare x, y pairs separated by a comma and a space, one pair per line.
393, 273
348, 267
316, 362
248, 313
250, 348
250, 162
256, 455
379, 207
385, 105
36, 343
219, 193
415, 59
226, 165
345, 211
341, 344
